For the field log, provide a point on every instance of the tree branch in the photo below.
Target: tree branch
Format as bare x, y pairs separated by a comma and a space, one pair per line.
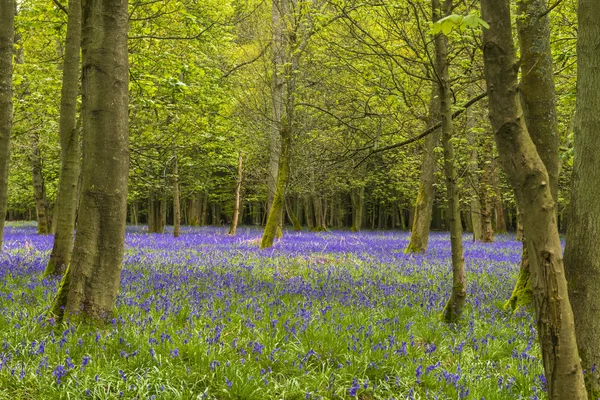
426, 132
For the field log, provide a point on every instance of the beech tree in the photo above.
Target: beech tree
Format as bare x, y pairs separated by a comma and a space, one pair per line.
529, 178
66, 199
7, 34
91, 282
582, 255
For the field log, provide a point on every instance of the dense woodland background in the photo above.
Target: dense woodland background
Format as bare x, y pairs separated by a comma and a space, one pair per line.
201, 93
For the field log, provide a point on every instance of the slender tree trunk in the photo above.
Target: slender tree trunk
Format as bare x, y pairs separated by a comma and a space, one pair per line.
455, 305
238, 190
39, 187
7, 34
475, 189
485, 192
91, 282
582, 254
66, 198
176, 201
278, 10
292, 215
421, 223
282, 179
528, 177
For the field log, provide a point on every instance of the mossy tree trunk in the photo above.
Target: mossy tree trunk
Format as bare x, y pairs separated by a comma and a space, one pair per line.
421, 223
90, 284
454, 307
274, 218
65, 210
538, 97
582, 253
7, 34
358, 205
529, 179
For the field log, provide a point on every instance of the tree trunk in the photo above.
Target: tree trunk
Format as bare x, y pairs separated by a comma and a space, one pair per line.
485, 192
455, 305
292, 215
39, 187
319, 220
358, 203
421, 223
65, 210
528, 177
238, 190
475, 205
582, 254
135, 212
282, 178
277, 95
7, 34
176, 200
538, 98
90, 284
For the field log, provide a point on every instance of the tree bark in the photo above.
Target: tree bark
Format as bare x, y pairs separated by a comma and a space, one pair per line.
454, 307
475, 189
176, 200
419, 236
39, 187
485, 191
65, 209
528, 177
90, 284
538, 98
358, 203
7, 34
282, 179
238, 190
582, 254
292, 215
278, 9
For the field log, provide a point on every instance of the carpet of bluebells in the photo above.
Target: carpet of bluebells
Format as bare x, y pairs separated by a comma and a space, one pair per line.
334, 315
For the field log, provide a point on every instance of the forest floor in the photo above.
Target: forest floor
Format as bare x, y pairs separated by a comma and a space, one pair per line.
333, 315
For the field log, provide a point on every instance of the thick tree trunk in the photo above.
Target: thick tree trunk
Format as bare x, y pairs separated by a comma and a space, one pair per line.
39, 187
455, 305
7, 34
538, 96
238, 190
528, 177
65, 210
582, 253
91, 282
421, 223
176, 201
